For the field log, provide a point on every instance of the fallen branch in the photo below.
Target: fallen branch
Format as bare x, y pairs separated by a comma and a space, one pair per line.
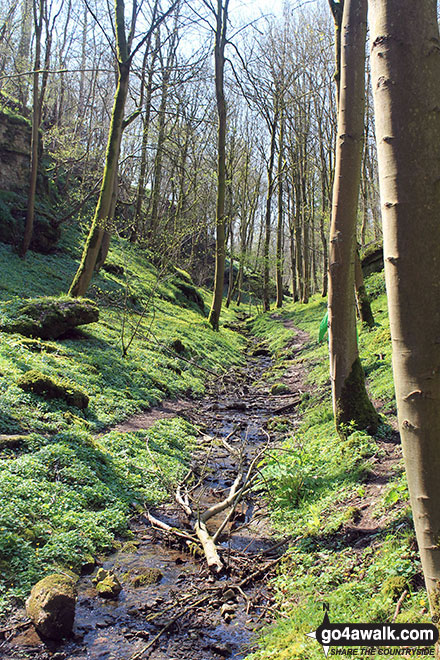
213, 560
156, 523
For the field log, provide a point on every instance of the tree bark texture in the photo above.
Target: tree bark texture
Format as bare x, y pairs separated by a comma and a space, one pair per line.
350, 399
406, 86
220, 221
363, 300
267, 215
279, 255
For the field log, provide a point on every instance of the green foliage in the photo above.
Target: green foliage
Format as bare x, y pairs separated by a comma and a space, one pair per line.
67, 496
65, 492
316, 487
375, 285
49, 388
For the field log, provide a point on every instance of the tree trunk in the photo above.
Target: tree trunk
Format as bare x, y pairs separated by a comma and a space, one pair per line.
363, 301
406, 84
137, 228
279, 255
85, 270
219, 57
36, 120
267, 216
231, 265
350, 399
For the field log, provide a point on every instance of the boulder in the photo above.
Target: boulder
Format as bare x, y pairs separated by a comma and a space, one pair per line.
51, 388
47, 318
51, 606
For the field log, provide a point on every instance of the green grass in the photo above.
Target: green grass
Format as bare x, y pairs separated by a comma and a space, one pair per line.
314, 481
67, 492
65, 497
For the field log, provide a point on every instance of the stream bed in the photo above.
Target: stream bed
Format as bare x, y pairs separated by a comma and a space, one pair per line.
170, 606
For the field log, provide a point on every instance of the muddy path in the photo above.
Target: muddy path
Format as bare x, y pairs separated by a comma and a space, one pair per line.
171, 607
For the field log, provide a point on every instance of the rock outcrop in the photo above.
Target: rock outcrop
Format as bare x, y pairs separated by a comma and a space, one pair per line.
47, 318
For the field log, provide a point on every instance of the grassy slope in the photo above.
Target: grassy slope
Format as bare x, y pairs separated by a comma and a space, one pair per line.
310, 498
67, 491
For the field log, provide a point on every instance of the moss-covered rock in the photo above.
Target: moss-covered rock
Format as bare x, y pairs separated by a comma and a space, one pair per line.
51, 606
107, 584
354, 409
47, 318
50, 388
150, 576
191, 294
13, 441
279, 388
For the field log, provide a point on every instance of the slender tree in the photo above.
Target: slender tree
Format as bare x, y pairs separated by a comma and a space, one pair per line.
406, 85
350, 399
221, 16
125, 52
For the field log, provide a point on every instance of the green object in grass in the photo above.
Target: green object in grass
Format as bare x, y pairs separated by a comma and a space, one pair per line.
323, 327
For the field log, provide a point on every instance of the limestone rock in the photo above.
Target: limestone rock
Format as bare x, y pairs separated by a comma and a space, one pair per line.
47, 318
51, 388
51, 606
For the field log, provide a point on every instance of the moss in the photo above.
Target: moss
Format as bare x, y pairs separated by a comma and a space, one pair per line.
48, 317
279, 388
130, 546
394, 586
13, 441
49, 388
150, 576
354, 409
51, 606
365, 307
109, 587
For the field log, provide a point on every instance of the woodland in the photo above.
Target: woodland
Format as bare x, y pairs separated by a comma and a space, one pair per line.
220, 326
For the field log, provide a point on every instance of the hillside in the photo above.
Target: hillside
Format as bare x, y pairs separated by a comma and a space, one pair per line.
71, 485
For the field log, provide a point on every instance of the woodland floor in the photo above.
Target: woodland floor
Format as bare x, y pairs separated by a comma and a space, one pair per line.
189, 614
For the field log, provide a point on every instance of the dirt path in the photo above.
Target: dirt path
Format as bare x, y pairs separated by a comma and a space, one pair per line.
184, 613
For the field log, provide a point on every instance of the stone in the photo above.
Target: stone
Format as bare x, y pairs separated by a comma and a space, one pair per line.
279, 388
227, 611
88, 565
51, 388
109, 587
221, 649
150, 576
46, 318
51, 606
